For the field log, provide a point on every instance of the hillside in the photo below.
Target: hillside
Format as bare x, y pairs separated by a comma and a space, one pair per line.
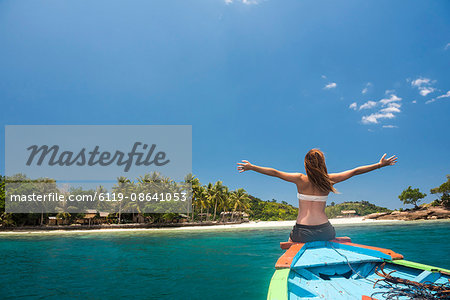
362, 208
271, 210
274, 211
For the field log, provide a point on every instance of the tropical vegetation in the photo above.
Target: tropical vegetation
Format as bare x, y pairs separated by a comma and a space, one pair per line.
361, 208
443, 189
210, 202
411, 196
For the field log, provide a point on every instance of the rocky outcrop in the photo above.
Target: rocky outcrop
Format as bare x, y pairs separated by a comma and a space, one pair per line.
427, 213
376, 215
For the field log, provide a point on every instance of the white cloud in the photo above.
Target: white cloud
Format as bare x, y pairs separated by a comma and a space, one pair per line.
414, 101
390, 109
424, 85
368, 104
387, 92
426, 90
248, 2
366, 88
394, 104
390, 126
353, 106
420, 82
323, 77
373, 118
391, 99
446, 95
331, 85
447, 46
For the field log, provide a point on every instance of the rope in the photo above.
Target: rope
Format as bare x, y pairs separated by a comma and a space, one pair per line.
348, 263
398, 287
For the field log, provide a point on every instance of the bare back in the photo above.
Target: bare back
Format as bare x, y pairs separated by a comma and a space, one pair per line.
310, 212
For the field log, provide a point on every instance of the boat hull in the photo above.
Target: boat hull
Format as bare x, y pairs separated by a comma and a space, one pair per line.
339, 269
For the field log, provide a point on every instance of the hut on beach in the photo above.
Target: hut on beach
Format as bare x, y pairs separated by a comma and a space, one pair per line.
103, 217
55, 220
181, 218
139, 218
88, 217
233, 216
348, 213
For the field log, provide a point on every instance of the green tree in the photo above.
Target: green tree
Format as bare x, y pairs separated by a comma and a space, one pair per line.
216, 195
45, 186
198, 191
225, 199
2, 194
124, 187
411, 196
443, 189
204, 198
239, 200
5, 219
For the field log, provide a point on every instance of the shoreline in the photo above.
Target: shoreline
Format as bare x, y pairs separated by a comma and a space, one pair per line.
206, 227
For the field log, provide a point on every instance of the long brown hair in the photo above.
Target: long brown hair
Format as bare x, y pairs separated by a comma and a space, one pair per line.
316, 169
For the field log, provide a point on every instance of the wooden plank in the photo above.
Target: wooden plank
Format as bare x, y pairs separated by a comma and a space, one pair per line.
286, 259
427, 276
342, 239
392, 254
278, 285
314, 257
420, 266
364, 297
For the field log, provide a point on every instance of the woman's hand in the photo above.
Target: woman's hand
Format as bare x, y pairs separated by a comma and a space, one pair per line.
244, 166
387, 161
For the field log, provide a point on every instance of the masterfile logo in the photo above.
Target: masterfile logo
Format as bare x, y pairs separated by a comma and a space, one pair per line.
98, 152
91, 158
112, 168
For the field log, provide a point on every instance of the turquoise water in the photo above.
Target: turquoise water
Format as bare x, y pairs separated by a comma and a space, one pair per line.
197, 264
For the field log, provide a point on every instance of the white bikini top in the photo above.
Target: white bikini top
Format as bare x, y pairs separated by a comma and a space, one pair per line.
312, 197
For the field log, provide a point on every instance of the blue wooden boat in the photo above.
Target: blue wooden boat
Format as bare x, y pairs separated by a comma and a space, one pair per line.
340, 269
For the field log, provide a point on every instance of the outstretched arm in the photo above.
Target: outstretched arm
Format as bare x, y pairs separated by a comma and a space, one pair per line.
247, 166
338, 177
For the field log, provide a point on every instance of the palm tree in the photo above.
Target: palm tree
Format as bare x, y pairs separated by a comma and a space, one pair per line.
218, 195
198, 191
123, 186
225, 199
102, 205
45, 186
187, 186
239, 200
202, 200
211, 196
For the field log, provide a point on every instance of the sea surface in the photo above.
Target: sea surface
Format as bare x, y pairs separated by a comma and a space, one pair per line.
186, 264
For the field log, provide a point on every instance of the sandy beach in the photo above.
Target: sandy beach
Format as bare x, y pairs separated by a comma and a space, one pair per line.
248, 225
274, 224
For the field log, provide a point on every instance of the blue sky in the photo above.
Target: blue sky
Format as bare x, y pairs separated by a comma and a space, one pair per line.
258, 80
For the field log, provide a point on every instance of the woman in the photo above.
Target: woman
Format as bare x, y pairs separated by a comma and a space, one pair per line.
312, 192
